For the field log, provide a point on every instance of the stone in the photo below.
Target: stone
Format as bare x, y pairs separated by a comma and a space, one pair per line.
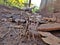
4, 19
20, 20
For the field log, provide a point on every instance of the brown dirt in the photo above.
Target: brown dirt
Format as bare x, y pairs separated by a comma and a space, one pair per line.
13, 35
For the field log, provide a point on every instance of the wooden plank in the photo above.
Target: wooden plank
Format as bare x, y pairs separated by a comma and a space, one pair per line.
50, 38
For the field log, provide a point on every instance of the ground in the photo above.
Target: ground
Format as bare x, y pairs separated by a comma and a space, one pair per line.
14, 32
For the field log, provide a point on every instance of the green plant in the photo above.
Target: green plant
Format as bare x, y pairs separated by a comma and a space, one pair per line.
1, 1
15, 3
35, 9
18, 3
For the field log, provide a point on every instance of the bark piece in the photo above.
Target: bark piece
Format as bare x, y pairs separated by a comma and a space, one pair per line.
50, 39
49, 27
53, 19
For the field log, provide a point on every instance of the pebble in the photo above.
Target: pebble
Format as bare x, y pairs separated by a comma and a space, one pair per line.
4, 19
20, 20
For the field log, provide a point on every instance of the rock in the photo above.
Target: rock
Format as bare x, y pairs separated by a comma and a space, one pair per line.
4, 19
6, 16
10, 19
20, 20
